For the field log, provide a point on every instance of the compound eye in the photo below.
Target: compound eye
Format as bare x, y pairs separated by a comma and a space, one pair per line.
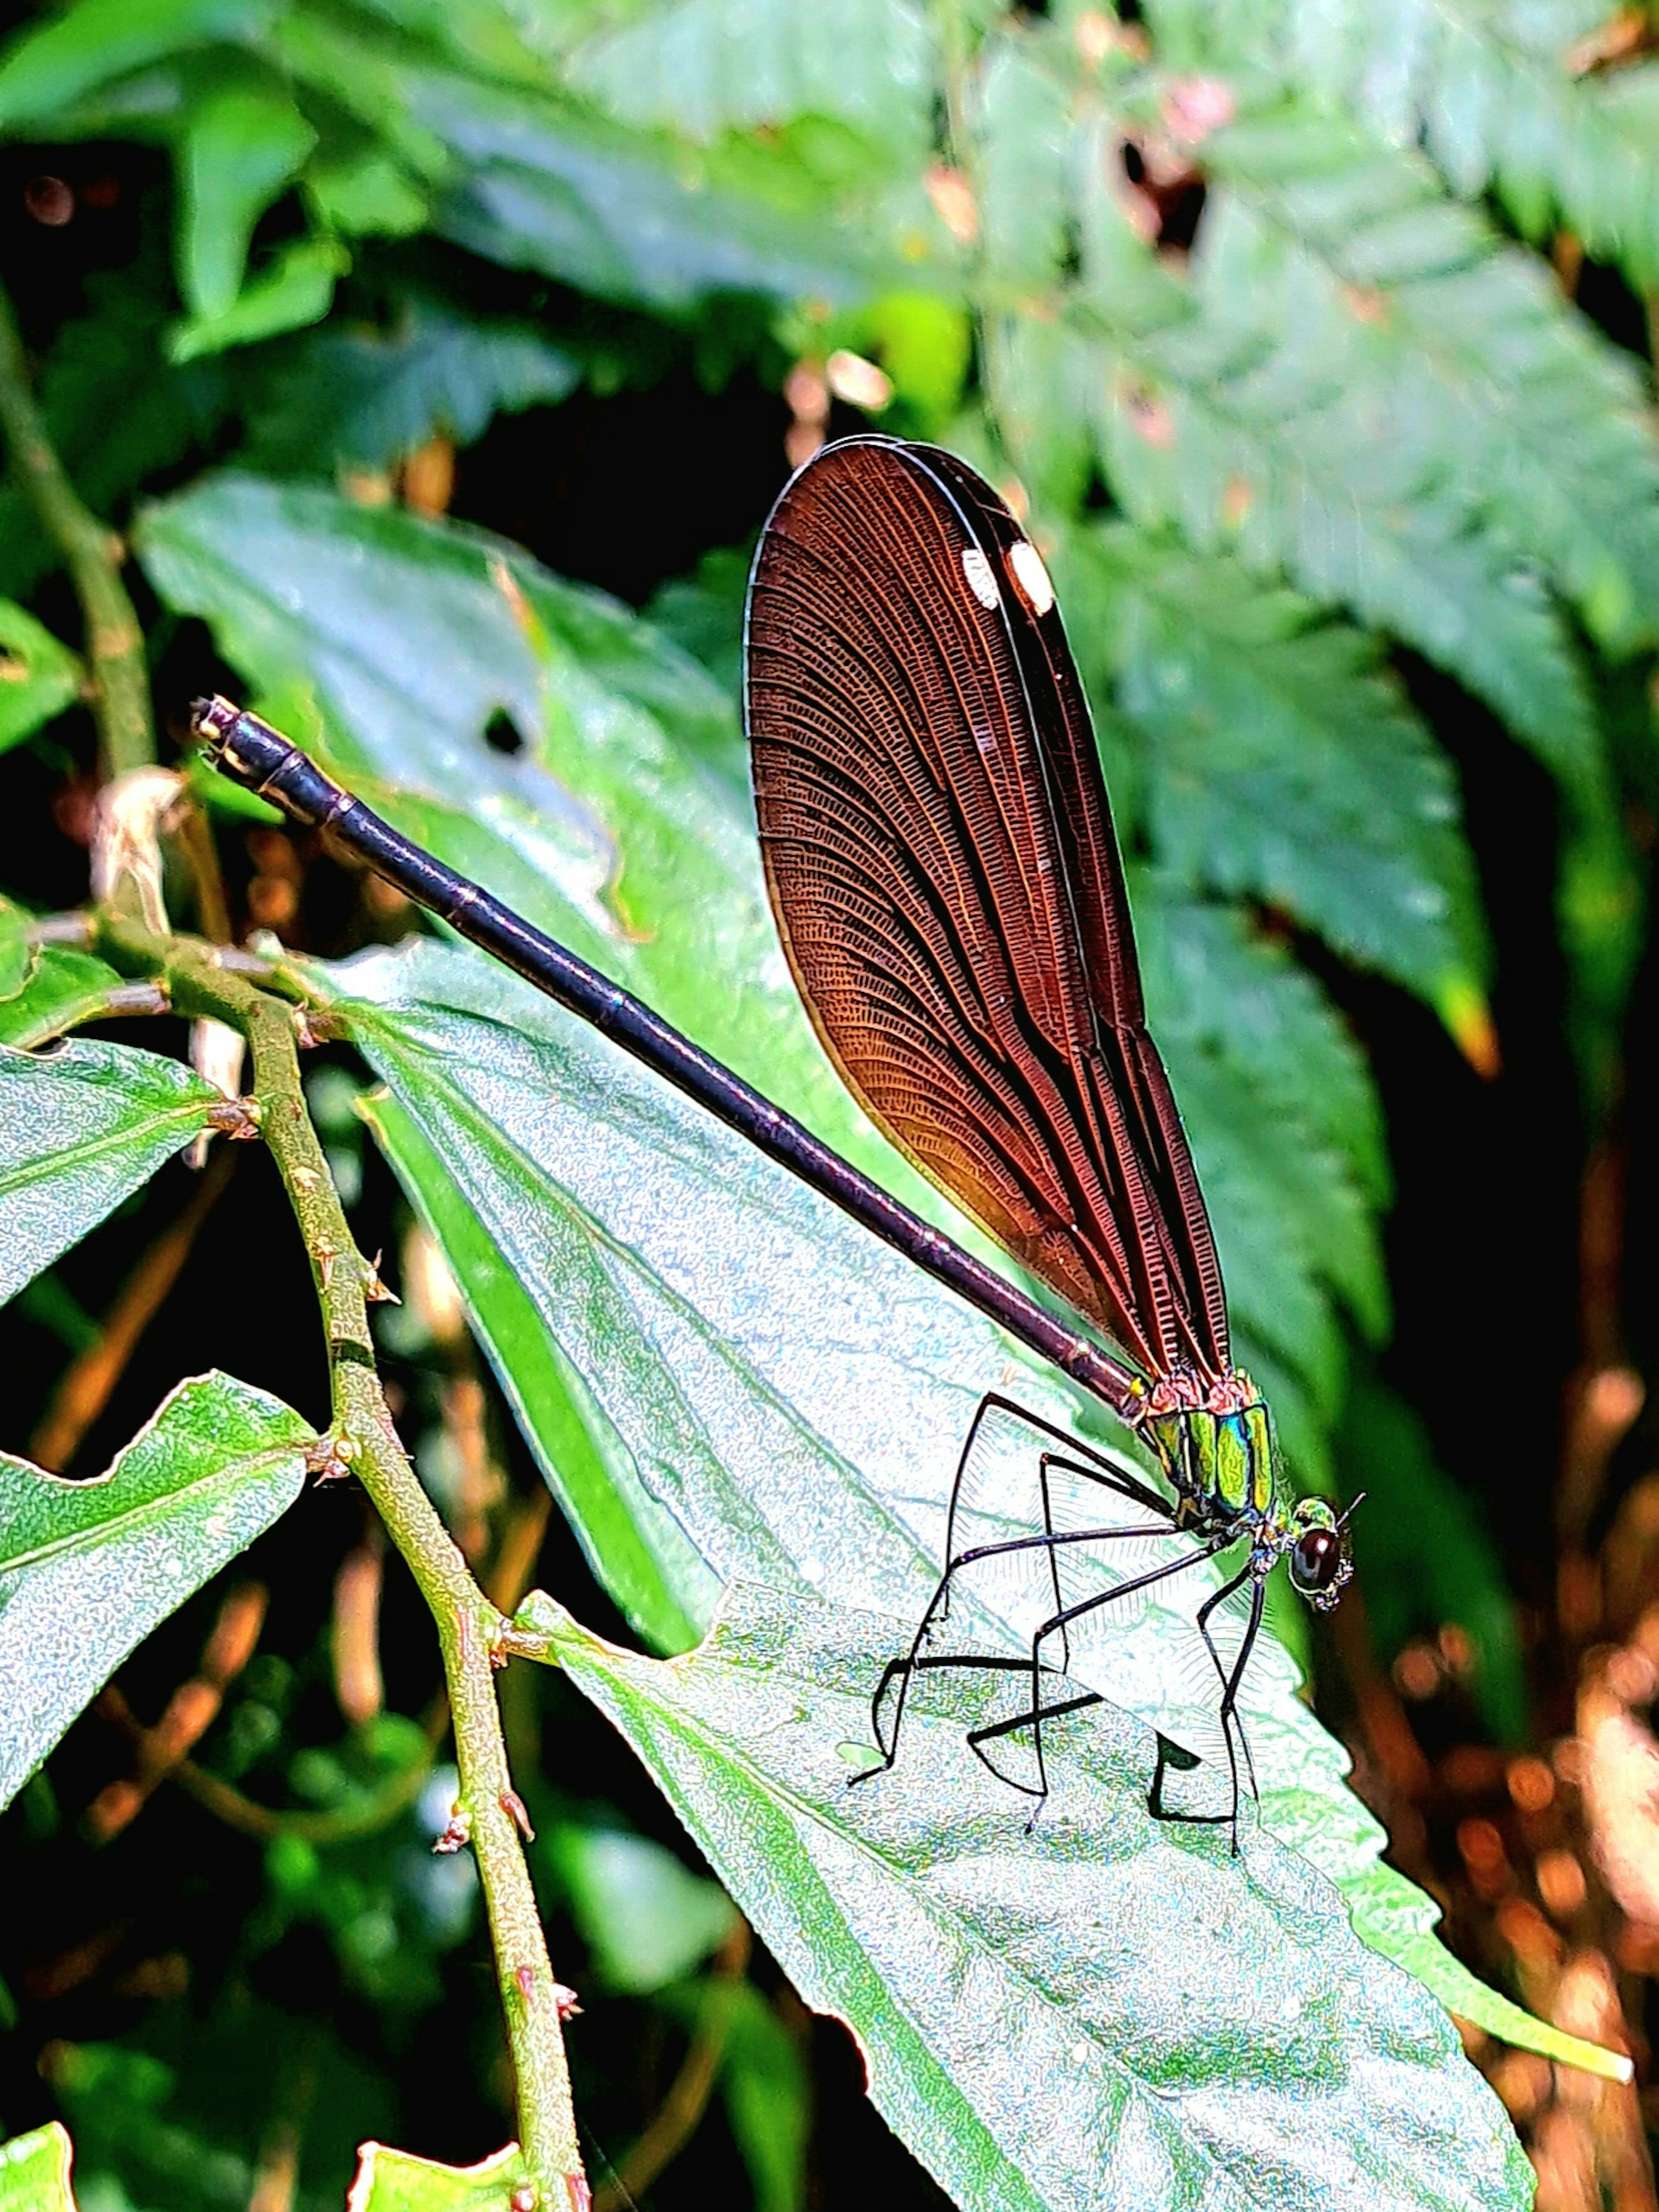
1317, 1559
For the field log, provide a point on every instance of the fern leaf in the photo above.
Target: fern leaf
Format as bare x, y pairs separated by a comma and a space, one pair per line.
1238, 406
1509, 395
1504, 95
1281, 760
704, 67
1296, 1228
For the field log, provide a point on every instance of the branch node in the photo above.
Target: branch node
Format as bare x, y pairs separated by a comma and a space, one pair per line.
330, 1458
457, 1836
238, 1119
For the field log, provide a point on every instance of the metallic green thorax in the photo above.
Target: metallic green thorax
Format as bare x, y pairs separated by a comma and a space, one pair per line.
1215, 1438
1222, 1460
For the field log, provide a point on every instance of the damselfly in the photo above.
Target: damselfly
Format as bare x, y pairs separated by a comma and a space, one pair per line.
945, 877
943, 867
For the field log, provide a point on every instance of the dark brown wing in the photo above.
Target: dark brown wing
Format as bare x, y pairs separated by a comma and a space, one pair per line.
942, 868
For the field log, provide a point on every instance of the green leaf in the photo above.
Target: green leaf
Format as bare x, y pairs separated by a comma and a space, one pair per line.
1204, 2027
295, 287
1491, 93
764, 2080
644, 1917
925, 343
703, 67
1024, 140
38, 678
542, 185
785, 1396
1530, 419
702, 613
63, 989
396, 2181
653, 1576
367, 198
1281, 760
1284, 1125
53, 64
244, 142
80, 1129
88, 1569
18, 955
1354, 382
1428, 1558
361, 399
46, 989
1233, 412
34, 2171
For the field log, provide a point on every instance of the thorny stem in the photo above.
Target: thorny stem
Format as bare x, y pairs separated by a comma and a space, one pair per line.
470, 1630
92, 553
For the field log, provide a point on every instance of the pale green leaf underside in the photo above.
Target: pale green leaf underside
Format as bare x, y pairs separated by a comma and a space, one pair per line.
1281, 760
80, 1129
787, 1397
1061, 2018
396, 2181
34, 2171
701, 67
88, 1569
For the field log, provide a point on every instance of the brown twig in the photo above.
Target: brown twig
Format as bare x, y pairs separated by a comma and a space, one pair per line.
358, 1686
191, 1711
83, 1389
340, 1825
678, 2116
365, 1441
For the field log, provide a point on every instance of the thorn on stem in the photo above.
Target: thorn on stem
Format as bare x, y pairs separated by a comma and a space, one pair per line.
514, 1804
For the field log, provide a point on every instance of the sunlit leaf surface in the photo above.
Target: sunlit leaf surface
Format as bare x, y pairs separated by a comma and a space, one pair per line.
1105, 2011
88, 1569
395, 2181
79, 1128
34, 2171
781, 1397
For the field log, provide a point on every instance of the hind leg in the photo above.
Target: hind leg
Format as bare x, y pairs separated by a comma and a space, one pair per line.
1071, 1458
1036, 1667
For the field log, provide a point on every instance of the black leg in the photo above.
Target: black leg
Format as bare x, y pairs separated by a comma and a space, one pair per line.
1058, 1623
1231, 1723
1172, 1755
900, 1671
1072, 1458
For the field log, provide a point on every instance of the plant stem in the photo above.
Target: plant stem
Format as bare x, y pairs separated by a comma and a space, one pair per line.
470, 1628
92, 553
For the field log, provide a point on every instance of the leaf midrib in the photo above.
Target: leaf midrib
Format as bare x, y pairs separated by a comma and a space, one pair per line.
703, 1734
50, 1166
133, 1517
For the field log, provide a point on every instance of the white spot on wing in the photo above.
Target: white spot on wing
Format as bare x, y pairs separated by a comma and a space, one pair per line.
980, 581
1030, 576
